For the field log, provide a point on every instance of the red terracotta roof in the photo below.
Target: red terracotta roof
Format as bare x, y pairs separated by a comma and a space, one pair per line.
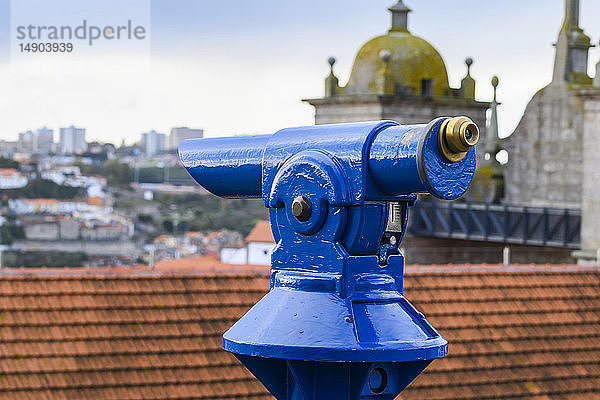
41, 201
519, 332
261, 233
154, 337
162, 238
193, 234
8, 171
206, 264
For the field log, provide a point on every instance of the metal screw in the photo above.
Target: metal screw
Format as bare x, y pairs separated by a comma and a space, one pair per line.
378, 380
301, 209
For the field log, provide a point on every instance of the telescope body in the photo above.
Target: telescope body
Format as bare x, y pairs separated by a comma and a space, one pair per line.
335, 324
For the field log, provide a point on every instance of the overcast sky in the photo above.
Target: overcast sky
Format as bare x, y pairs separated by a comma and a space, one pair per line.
243, 66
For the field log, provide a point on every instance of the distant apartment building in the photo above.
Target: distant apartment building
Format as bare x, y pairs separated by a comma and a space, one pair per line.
10, 178
259, 246
72, 140
33, 206
70, 175
59, 227
25, 142
43, 141
52, 220
7, 148
180, 134
40, 228
54, 206
153, 142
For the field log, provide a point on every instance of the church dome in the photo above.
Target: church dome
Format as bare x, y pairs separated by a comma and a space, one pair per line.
413, 65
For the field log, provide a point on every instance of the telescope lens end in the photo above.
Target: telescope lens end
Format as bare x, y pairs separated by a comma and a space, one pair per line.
456, 137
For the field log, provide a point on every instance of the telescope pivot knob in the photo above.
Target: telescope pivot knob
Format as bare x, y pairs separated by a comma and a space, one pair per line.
301, 209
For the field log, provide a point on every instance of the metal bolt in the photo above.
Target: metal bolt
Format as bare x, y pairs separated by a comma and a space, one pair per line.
378, 380
301, 209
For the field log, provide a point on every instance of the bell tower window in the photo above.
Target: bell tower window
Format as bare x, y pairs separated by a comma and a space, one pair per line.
427, 87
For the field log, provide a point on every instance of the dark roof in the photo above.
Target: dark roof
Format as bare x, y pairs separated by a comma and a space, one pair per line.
525, 332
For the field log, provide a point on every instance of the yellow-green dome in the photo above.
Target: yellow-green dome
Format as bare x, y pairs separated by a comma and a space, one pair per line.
413, 63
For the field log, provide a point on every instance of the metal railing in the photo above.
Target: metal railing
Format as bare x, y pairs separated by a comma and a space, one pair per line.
537, 226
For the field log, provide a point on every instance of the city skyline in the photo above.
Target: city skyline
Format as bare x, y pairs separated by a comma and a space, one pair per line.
72, 140
230, 69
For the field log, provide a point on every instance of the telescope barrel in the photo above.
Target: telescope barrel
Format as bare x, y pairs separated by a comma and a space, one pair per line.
406, 160
393, 163
401, 159
229, 167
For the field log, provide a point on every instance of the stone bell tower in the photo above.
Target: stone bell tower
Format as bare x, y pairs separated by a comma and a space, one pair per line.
554, 153
545, 165
572, 49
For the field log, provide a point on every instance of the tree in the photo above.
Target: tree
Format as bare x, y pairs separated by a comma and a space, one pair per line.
145, 218
8, 163
168, 225
5, 235
183, 226
42, 188
117, 173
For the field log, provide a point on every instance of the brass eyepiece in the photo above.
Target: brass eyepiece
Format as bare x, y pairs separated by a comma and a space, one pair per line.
456, 137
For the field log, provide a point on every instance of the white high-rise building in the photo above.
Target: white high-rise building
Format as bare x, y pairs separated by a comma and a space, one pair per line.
181, 133
25, 142
72, 140
153, 142
43, 140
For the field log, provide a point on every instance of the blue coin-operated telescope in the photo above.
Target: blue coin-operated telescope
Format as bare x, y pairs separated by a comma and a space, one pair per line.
335, 324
